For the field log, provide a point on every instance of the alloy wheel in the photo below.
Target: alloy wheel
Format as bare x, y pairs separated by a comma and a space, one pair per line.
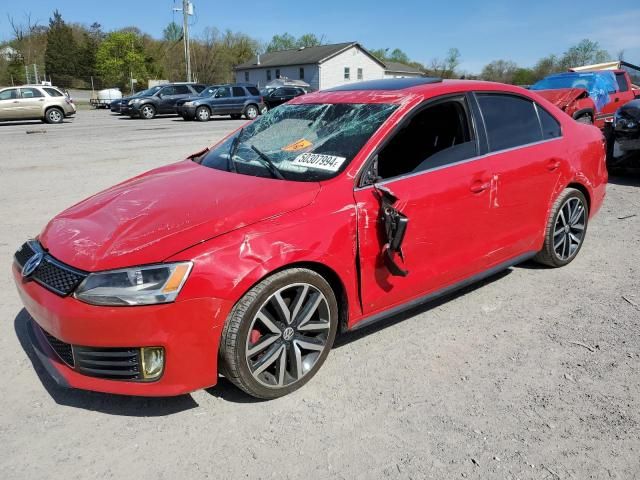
147, 111
55, 116
203, 114
288, 335
569, 229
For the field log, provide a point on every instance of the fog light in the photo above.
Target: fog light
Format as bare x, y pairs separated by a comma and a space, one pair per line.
152, 362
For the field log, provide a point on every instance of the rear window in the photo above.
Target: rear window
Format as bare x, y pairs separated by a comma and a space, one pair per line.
239, 92
254, 91
181, 90
199, 88
550, 126
510, 121
53, 92
31, 93
623, 85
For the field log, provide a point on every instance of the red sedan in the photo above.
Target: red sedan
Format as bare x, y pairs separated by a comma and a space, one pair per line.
331, 212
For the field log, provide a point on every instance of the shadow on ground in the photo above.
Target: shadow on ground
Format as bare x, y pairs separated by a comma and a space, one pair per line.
99, 402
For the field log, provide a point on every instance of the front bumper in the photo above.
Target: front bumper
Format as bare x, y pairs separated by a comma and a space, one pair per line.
186, 111
189, 331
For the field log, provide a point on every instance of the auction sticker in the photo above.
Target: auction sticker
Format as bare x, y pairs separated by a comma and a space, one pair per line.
330, 163
299, 145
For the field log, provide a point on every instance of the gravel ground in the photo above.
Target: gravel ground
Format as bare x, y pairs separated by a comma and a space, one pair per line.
532, 374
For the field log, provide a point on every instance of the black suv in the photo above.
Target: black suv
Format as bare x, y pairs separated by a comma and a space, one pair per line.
160, 99
282, 95
235, 100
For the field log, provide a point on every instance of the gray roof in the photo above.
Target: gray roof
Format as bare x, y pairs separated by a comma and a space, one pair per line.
300, 56
401, 67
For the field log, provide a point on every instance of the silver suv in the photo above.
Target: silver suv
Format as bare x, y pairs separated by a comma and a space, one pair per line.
35, 102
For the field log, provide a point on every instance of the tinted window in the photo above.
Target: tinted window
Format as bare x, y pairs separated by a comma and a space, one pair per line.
181, 90
290, 92
31, 93
9, 94
53, 92
239, 92
438, 135
550, 126
167, 91
254, 91
623, 85
198, 88
510, 121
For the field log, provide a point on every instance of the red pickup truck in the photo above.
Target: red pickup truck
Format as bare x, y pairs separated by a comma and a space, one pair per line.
589, 96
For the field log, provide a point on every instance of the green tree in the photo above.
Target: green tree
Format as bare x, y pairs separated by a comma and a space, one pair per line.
286, 41
120, 55
586, 52
308, 40
398, 55
60, 56
502, 71
172, 32
87, 52
523, 76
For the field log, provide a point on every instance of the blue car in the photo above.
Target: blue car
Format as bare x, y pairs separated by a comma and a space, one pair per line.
235, 100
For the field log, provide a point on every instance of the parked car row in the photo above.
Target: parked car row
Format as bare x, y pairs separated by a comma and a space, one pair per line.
193, 101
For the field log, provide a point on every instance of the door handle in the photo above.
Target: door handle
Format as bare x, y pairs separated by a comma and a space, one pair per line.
553, 165
479, 186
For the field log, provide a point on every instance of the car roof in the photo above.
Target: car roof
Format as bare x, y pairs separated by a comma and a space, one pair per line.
399, 90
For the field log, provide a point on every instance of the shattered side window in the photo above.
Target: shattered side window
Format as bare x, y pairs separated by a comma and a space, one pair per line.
307, 142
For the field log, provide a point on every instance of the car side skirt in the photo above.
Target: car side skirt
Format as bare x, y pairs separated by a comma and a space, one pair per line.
377, 317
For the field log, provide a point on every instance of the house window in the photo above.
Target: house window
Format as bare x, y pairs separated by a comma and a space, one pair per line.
360, 76
301, 73
347, 73
246, 76
268, 75
277, 73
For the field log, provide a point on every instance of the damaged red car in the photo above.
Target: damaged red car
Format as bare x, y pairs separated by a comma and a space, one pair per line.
327, 214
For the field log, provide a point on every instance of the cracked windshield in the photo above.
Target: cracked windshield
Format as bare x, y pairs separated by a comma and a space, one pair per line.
300, 142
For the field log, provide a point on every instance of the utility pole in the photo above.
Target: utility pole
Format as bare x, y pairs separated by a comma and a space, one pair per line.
187, 10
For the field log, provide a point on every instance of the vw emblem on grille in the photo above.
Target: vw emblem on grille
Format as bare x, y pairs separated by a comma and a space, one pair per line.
32, 264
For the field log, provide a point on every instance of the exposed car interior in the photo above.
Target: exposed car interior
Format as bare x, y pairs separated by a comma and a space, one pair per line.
436, 136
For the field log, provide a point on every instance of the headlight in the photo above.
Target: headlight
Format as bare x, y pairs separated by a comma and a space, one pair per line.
135, 286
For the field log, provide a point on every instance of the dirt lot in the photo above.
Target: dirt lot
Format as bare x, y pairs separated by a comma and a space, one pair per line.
532, 375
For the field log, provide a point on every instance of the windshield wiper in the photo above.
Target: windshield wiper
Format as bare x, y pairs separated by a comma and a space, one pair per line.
267, 162
232, 152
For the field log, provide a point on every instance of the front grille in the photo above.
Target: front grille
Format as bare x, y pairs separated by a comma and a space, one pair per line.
100, 362
24, 253
57, 277
51, 274
63, 350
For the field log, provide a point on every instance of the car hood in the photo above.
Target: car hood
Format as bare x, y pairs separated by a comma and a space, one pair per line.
562, 97
153, 216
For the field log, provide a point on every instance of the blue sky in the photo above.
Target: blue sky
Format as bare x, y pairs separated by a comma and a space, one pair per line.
482, 30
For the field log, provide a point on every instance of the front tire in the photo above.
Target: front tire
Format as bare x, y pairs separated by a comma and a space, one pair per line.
566, 229
147, 112
279, 334
585, 119
54, 115
203, 114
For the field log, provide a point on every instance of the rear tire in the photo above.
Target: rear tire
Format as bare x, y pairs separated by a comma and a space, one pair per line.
53, 115
586, 119
279, 333
566, 229
251, 112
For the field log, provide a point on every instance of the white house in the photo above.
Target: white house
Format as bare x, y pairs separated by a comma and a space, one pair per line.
322, 67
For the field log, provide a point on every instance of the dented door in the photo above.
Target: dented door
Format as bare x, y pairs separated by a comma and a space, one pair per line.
447, 236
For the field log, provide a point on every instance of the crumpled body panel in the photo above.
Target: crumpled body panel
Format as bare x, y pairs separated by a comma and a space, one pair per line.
153, 216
